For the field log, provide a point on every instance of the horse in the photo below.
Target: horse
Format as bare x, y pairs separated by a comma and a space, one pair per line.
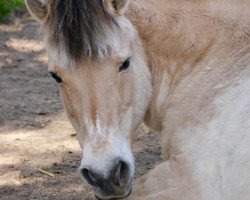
180, 66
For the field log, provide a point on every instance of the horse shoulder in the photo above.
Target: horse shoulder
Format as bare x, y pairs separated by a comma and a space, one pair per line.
213, 160
217, 152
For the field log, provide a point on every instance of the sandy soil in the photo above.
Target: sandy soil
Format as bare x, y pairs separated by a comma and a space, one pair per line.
34, 132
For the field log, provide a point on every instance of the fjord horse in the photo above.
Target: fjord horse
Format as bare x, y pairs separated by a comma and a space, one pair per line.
182, 67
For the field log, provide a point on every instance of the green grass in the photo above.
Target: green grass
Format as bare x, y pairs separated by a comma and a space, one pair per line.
7, 7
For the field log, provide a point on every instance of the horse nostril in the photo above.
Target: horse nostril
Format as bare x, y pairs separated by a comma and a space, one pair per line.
120, 174
88, 176
124, 174
116, 174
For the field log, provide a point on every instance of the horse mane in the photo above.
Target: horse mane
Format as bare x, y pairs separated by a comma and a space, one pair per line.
78, 27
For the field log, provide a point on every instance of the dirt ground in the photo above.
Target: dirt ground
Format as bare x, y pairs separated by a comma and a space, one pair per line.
34, 132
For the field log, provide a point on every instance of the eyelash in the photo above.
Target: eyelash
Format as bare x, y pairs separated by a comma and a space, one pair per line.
125, 65
56, 77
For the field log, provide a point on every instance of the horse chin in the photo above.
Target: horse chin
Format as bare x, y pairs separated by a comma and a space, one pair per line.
100, 197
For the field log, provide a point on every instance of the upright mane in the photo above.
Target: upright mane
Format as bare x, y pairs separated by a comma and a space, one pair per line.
79, 28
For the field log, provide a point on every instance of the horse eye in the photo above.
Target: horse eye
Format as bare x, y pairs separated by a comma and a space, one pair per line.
125, 65
57, 78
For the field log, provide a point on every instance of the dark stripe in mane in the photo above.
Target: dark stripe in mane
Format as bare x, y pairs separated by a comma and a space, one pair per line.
77, 26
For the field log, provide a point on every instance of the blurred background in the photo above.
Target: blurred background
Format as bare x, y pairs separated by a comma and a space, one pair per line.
10, 9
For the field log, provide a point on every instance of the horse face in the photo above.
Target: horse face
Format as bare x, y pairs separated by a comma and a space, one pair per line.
105, 98
105, 101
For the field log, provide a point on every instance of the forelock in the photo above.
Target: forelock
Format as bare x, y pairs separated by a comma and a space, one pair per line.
75, 29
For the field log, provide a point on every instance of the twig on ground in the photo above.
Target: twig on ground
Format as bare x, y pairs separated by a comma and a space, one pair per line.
45, 172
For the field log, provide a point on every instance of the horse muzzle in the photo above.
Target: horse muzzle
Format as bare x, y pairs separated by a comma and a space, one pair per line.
114, 185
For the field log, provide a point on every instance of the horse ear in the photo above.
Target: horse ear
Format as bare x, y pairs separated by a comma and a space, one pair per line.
117, 7
37, 9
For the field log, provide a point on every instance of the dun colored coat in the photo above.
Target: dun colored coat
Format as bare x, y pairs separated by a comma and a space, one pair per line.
181, 66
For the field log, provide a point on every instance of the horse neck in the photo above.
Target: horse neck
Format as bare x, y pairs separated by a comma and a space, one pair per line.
168, 47
178, 40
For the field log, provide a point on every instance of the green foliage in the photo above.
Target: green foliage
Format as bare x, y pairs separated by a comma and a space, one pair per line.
9, 6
